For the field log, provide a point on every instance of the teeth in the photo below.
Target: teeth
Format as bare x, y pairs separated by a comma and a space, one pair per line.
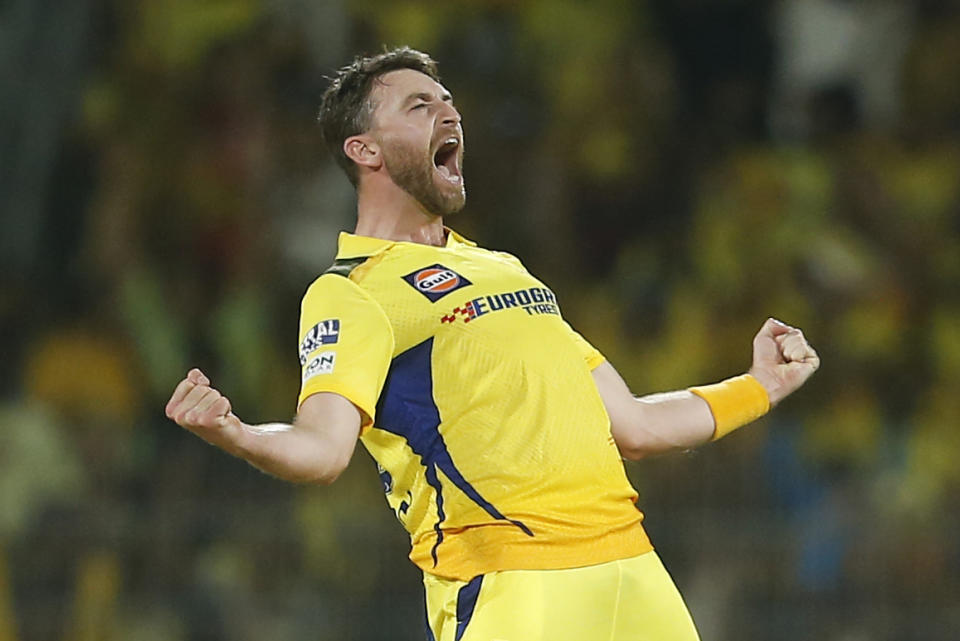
449, 141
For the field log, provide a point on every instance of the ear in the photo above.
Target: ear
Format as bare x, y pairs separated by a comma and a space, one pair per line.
363, 150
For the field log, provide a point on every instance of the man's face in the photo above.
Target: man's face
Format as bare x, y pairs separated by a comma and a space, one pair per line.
419, 131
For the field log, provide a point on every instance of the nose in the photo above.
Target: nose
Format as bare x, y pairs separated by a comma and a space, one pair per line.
449, 114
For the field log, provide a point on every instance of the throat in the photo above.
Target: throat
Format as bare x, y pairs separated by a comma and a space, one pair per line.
400, 219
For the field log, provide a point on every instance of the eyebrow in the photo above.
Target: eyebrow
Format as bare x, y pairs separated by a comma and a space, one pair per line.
426, 97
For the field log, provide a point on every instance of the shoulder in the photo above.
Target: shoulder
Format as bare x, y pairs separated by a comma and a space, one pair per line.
495, 254
337, 286
345, 266
337, 276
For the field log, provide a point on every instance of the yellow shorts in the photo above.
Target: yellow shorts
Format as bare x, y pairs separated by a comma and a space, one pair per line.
629, 600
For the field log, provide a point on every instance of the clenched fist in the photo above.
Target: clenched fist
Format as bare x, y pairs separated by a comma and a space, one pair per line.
203, 410
782, 359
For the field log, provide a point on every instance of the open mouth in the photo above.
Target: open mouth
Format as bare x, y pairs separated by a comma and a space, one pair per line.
447, 160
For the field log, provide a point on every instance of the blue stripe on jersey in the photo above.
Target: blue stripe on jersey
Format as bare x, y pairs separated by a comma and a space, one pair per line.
466, 603
406, 408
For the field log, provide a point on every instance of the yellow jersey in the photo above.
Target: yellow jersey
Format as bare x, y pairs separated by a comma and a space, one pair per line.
491, 438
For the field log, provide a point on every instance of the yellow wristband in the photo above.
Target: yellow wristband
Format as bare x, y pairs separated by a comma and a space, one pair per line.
734, 402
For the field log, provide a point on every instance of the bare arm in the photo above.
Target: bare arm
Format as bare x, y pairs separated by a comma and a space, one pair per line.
316, 448
659, 423
652, 424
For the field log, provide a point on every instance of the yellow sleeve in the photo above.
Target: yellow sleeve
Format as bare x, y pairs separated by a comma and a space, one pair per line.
591, 355
346, 344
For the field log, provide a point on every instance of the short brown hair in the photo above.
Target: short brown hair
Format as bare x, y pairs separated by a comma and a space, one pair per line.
346, 109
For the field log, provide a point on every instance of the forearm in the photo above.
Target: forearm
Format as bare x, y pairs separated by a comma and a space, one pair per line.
655, 423
666, 422
681, 420
660, 423
314, 449
782, 361
288, 453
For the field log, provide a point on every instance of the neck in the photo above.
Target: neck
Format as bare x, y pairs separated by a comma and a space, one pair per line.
391, 213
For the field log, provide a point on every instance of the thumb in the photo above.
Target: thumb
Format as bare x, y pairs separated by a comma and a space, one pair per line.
796, 373
229, 421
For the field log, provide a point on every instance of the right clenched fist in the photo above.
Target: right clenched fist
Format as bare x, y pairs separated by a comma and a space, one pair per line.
203, 410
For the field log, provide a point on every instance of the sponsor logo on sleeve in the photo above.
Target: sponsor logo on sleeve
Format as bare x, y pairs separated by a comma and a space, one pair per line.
322, 363
326, 332
436, 281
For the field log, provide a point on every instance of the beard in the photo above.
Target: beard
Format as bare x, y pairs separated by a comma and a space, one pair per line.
415, 173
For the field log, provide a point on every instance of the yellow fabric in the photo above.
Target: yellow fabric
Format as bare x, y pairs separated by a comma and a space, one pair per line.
625, 600
734, 402
493, 443
360, 355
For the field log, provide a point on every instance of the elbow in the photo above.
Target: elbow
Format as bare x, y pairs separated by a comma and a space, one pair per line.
635, 432
328, 473
635, 452
325, 478
641, 443
633, 444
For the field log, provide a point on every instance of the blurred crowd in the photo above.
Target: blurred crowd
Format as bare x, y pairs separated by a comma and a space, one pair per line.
675, 171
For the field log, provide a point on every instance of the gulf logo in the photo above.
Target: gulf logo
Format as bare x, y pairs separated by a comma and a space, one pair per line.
436, 281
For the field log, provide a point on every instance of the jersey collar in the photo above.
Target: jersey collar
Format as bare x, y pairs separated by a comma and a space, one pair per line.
353, 246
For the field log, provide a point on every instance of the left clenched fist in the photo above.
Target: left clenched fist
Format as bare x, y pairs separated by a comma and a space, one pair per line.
783, 360
202, 409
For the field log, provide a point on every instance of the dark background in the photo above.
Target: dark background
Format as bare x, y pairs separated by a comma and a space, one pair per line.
675, 171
